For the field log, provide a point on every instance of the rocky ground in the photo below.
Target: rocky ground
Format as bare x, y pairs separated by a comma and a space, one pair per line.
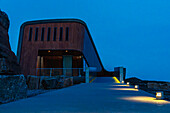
151, 86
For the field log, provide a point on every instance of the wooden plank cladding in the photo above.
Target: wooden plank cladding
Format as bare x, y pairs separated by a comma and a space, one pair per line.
56, 34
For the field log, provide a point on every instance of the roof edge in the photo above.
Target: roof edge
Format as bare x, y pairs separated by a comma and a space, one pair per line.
53, 21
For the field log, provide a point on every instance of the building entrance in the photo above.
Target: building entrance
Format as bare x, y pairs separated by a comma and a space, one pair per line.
57, 62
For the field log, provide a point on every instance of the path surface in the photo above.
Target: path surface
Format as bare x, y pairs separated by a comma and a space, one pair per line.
103, 95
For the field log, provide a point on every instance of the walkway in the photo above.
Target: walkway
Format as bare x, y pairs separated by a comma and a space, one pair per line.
103, 95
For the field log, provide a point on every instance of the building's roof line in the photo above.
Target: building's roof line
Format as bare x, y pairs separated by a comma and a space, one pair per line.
56, 21
53, 21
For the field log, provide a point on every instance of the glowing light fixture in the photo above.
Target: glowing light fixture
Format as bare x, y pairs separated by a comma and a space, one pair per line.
49, 51
128, 83
116, 80
159, 95
136, 86
66, 51
122, 82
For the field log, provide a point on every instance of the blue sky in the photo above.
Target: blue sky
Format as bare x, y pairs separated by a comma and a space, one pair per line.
130, 33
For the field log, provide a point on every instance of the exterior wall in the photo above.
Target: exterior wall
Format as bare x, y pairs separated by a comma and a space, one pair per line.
79, 39
89, 51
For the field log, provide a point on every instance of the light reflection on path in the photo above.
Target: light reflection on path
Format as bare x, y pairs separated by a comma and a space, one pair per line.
145, 99
142, 99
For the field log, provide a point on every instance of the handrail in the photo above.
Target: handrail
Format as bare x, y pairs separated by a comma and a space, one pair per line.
64, 70
59, 68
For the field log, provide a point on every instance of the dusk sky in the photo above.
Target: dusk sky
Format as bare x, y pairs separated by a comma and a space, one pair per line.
134, 34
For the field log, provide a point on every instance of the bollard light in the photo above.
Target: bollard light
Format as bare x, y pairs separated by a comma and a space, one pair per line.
136, 86
122, 82
159, 95
128, 83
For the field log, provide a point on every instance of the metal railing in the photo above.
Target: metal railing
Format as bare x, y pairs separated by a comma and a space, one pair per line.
60, 71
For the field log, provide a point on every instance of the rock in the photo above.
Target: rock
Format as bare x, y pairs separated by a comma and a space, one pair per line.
168, 85
134, 81
41, 82
8, 60
158, 86
46, 82
50, 83
65, 82
152, 85
4, 20
33, 82
57, 82
68, 82
78, 80
12, 87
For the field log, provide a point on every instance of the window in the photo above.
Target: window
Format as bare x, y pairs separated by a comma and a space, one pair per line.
49, 34
55, 34
61, 34
42, 34
30, 34
67, 33
36, 34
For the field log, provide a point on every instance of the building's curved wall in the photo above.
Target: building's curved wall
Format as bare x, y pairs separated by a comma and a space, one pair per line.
79, 39
89, 51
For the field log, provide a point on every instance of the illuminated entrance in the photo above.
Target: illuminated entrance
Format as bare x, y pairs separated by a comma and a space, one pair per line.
60, 62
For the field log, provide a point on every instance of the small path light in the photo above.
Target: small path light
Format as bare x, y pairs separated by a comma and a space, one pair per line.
128, 83
136, 86
159, 95
122, 82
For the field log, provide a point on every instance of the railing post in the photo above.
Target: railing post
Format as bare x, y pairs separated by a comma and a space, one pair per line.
87, 74
79, 73
50, 71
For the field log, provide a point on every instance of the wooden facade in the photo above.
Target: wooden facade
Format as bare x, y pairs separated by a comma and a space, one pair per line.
55, 35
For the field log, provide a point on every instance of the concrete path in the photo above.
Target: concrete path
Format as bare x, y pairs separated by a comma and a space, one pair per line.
101, 96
